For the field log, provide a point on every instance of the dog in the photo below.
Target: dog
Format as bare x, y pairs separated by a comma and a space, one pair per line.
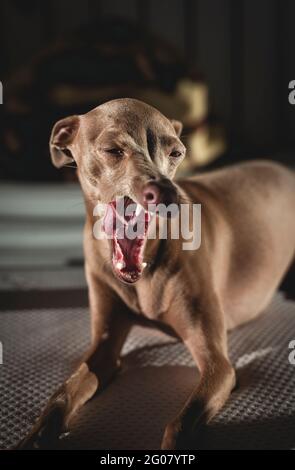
128, 151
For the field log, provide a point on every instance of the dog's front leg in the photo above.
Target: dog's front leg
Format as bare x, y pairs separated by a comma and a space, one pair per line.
110, 326
205, 337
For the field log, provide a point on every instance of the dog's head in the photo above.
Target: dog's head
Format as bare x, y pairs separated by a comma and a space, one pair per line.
125, 151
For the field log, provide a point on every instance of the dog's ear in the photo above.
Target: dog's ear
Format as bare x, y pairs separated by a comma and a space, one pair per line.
177, 126
62, 137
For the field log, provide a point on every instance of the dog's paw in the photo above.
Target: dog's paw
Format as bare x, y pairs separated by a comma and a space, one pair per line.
182, 433
172, 430
46, 432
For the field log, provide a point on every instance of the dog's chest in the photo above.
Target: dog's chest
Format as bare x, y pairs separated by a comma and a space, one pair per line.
152, 298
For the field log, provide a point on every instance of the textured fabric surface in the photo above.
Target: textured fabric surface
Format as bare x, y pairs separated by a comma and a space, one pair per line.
41, 347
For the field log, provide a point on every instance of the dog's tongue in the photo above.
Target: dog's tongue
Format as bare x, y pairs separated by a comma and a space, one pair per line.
126, 223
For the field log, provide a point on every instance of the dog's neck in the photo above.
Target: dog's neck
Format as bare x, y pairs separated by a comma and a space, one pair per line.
162, 251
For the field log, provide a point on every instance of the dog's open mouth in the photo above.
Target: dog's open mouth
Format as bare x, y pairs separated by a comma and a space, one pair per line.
126, 224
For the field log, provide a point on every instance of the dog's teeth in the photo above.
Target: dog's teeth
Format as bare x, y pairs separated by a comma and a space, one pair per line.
120, 265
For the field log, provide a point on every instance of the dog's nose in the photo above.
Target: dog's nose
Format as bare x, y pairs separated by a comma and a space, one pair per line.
159, 193
151, 194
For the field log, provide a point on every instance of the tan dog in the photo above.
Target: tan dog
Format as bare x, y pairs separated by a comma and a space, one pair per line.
125, 148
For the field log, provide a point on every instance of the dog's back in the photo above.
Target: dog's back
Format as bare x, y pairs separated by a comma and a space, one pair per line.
255, 201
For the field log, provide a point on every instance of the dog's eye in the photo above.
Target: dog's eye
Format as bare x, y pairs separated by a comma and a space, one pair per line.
115, 151
175, 154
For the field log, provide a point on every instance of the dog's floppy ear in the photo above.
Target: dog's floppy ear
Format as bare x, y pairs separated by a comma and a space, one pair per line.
177, 126
62, 137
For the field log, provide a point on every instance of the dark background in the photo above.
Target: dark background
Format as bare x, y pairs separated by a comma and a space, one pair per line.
244, 50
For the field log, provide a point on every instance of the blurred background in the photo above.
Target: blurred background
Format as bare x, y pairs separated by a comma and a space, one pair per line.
220, 66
